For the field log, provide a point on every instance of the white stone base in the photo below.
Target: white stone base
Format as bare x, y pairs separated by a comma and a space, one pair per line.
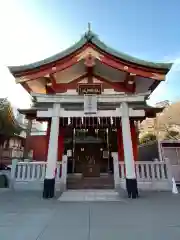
150, 186
35, 186
60, 186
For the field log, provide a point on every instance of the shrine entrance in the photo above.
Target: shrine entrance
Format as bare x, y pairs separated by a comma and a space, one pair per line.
89, 155
91, 160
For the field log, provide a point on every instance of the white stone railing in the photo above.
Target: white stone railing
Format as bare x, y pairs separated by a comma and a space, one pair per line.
155, 175
122, 170
151, 170
30, 171
147, 171
30, 175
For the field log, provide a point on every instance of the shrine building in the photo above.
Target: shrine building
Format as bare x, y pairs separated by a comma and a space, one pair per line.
91, 97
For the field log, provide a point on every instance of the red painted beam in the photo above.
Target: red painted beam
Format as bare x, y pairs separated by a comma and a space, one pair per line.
119, 66
106, 59
59, 62
53, 80
78, 79
63, 87
26, 87
117, 86
129, 82
49, 90
90, 74
53, 86
51, 70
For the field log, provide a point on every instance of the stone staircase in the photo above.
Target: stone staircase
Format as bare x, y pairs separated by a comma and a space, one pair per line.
79, 182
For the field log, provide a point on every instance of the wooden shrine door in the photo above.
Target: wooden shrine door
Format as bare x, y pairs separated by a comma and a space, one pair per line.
90, 158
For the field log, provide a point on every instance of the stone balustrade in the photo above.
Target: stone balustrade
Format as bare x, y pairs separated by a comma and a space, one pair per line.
29, 171
155, 175
147, 170
32, 173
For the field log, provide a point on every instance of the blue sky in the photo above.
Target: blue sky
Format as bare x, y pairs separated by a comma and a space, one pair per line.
35, 29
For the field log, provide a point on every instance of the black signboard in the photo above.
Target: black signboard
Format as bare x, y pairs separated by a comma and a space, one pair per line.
89, 89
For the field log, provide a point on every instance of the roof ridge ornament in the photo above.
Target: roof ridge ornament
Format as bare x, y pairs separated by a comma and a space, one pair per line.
89, 34
89, 27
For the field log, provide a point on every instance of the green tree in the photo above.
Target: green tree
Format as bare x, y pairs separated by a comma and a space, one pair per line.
8, 124
168, 122
148, 137
172, 134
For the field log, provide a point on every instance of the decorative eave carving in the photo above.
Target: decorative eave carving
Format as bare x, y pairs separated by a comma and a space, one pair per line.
89, 51
89, 61
156, 76
22, 79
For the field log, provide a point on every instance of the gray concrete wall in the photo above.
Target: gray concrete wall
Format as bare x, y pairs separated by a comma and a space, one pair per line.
148, 152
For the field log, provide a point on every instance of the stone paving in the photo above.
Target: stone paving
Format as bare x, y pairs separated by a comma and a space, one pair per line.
90, 196
26, 216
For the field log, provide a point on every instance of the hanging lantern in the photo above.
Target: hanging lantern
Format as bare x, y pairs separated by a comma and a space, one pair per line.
97, 133
93, 122
106, 120
85, 122
89, 122
99, 121
111, 121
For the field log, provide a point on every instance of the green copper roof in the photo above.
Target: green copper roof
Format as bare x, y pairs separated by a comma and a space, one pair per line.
92, 38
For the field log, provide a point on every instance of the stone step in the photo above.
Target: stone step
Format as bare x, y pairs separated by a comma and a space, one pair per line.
89, 195
103, 182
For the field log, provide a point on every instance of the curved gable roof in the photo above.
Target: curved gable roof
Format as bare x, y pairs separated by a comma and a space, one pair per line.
90, 37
